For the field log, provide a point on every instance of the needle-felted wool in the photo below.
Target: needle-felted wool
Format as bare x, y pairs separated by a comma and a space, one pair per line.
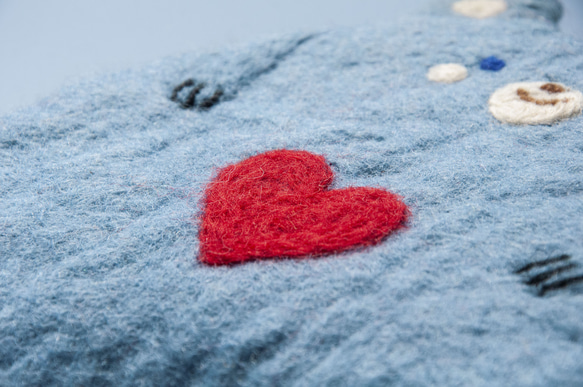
101, 187
278, 205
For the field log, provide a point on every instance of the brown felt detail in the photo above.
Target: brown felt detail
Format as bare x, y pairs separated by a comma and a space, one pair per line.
525, 96
552, 88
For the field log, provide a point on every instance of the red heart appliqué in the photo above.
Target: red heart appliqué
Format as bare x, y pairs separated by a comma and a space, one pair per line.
278, 204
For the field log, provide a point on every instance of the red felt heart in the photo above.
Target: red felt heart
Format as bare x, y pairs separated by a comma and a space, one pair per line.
278, 204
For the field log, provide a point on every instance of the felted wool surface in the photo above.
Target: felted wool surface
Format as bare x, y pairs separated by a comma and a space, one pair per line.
279, 204
100, 201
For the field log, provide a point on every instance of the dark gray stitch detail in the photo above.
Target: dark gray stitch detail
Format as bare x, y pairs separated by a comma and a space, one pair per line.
244, 80
541, 279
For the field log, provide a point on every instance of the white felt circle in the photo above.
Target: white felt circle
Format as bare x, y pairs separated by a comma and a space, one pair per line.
527, 103
447, 73
480, 9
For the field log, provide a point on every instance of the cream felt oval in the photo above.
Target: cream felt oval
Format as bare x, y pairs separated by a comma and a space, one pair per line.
480, 9
535, 103
447, 73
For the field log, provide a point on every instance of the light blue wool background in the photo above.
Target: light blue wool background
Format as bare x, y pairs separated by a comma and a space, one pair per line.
99, 282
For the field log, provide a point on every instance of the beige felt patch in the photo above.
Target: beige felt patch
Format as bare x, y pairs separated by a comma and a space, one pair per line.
447, 73
535, 103
480, 9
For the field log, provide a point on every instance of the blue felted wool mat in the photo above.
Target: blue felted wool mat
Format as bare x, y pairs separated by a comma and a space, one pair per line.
101, 188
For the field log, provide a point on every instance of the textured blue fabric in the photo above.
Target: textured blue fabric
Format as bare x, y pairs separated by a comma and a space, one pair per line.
492, 63
99, 282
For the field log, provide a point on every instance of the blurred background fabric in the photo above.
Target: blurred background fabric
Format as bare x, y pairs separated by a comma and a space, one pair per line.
45, 44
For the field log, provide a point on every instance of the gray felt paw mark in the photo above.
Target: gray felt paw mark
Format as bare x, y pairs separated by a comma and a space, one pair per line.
553, 268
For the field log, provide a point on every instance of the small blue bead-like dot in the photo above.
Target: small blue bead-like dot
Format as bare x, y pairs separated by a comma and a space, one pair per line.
492, 63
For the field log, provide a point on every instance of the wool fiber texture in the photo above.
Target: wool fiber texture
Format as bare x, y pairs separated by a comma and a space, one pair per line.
447, 73
278, 205
100, 284
492, 63
529, 103
480, 9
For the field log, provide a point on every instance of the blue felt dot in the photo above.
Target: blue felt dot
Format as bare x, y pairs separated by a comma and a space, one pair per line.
492, 63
